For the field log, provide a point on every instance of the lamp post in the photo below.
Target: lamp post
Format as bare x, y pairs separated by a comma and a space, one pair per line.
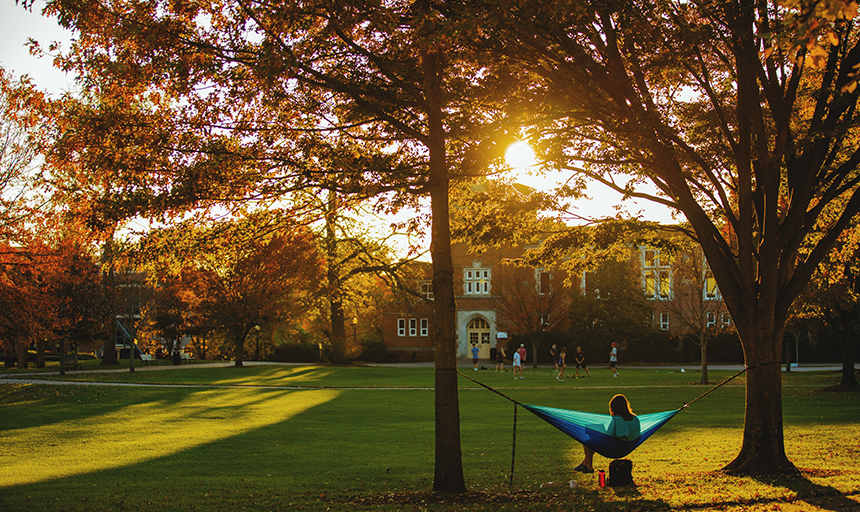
257, 343
354, 331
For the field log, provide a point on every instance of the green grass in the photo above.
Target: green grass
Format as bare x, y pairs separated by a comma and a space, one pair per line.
326, 438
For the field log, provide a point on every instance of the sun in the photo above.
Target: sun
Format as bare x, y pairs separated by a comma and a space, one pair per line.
520, 156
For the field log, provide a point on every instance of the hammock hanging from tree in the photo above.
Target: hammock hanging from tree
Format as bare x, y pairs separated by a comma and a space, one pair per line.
592, 429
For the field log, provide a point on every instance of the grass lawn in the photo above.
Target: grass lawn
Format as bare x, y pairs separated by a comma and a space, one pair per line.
329, 438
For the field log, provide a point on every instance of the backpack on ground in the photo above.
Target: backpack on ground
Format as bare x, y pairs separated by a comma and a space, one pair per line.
620, 472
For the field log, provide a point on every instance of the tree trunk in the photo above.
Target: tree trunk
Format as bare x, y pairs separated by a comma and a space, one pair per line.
109, 351
448, 476
338, 326
40, 353
22, 355
763, 448
704, 351
335, 297
62, 356
238, 346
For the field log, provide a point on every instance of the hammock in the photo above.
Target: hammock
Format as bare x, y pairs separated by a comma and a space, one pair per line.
591, 429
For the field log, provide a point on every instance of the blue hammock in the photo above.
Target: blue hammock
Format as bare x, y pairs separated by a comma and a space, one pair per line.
591, 429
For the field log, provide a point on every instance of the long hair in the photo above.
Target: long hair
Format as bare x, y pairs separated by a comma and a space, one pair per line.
620, 406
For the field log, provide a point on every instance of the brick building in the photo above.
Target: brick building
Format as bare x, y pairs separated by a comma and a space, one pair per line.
681, 289
482, 318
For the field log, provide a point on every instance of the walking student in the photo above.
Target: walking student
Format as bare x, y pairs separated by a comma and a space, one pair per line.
561, 364
500, 358
579, 357
613, 360
518, 365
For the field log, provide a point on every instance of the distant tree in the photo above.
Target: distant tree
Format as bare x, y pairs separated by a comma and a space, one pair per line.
84, 307
832, 299
243, 274
696, 303
164, 314
23, 136
609, 306
531, 301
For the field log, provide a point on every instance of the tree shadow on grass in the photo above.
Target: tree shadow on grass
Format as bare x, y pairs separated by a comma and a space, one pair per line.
824, 497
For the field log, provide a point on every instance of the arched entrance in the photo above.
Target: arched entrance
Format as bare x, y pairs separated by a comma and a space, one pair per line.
478, 331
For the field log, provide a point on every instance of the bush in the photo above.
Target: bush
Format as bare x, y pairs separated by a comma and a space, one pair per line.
373, 350
297, 353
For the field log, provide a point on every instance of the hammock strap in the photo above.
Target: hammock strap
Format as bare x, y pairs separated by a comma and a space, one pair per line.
493, 390
721, 384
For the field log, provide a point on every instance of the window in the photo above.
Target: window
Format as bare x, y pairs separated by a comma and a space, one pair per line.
479, 331
476, 280
401, 327
656, 274
711, 290
726, 319
544, 282
413, 327
426, 289
712, 319
664, 321
425, 327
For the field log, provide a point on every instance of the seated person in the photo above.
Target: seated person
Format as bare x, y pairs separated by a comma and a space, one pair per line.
624, 426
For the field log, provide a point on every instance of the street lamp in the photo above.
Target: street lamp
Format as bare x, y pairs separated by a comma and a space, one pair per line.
354, 327
257, 343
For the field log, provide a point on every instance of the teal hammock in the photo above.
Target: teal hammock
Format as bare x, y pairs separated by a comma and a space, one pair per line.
591, 429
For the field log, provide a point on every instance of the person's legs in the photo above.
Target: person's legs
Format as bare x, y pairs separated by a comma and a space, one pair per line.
561, 373
587, 464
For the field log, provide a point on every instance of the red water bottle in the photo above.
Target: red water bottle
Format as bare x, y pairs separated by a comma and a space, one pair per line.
601, 478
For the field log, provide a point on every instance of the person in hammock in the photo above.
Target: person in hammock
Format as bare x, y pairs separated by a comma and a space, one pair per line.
624, 427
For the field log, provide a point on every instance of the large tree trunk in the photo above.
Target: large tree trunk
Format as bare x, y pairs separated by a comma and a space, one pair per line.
703, 343
448, 476
763, 448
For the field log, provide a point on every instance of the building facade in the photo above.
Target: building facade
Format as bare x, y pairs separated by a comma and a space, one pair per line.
483, 318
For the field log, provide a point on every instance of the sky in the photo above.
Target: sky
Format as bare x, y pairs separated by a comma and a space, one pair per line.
16, 25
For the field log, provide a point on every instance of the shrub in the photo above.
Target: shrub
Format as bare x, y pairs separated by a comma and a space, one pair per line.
373, 350
297, 353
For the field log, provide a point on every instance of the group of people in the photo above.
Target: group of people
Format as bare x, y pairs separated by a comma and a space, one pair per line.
559, 359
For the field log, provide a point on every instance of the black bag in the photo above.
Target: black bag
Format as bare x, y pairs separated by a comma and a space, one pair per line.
620, 472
